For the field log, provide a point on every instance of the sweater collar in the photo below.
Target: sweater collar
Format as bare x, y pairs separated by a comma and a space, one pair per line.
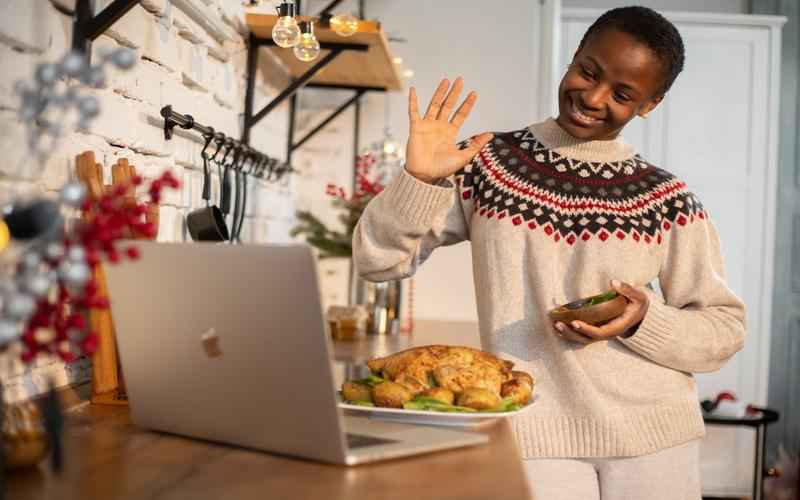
555, 138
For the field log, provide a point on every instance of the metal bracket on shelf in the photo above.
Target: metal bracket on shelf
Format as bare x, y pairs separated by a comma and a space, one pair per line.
327, 120
86, 26
251, 119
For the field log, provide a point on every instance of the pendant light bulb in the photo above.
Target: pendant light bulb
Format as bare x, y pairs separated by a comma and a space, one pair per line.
307, 49
344, 24
286, 32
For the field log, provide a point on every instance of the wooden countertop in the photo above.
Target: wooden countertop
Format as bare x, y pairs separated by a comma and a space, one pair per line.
107, 457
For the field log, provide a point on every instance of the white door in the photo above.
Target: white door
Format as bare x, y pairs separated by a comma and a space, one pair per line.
716, 130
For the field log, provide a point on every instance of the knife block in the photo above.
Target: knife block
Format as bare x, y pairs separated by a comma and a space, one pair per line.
108, 382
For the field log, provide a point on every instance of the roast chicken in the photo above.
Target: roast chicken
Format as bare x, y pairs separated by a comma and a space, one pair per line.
456, 368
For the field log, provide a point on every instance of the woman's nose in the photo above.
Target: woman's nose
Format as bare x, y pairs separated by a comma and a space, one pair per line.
592, 99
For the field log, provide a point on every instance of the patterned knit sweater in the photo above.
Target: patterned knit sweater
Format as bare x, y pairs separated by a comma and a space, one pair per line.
552, 219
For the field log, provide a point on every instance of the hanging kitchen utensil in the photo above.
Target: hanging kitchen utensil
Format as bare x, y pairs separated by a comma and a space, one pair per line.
207, 223
38, 217
225, 201
238, 161
243, 210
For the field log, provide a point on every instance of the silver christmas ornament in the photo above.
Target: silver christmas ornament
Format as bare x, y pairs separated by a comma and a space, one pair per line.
89, 106
123, 58
54, 129
73, 64
73, 194
22, 88
47, 74
28, 110
37, 284
74, 274
95, 77
54, 250
8, 287
20, 306
9, 332
31, 261
76, 254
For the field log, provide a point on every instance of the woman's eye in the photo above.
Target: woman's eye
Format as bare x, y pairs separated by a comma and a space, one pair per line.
621, 97
585, 72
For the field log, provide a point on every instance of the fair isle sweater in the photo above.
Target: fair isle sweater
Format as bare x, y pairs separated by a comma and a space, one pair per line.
552, 219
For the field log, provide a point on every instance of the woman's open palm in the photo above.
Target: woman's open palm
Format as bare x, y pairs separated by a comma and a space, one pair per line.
432, 152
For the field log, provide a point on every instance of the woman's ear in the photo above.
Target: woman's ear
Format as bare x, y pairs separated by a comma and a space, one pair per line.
649, 106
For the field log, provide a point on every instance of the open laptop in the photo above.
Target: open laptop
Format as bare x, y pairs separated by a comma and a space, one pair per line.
228, 343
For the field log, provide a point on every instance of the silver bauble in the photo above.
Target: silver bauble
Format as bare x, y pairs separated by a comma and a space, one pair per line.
73, 194
47, 74
123, 58
95, 77
73, 64
54, 250
89, 106
9, 332
73, 274
31, 261
53, 129
22, 88
20, 306
8, 287
36, 284
76, 254
28, 109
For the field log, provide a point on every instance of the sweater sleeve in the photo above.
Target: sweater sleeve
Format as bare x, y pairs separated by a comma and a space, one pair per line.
700, 323
403, 224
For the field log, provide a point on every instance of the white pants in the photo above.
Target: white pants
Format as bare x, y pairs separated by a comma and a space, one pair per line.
671, 474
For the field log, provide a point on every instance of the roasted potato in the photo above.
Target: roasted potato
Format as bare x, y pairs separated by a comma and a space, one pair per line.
478, 398
390, 395
516, 374
440, 394
518, 389
352, 391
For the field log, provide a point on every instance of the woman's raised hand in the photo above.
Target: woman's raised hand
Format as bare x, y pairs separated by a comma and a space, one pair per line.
432, 152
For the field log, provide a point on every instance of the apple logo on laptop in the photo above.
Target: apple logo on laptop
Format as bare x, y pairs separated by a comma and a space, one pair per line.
210, 342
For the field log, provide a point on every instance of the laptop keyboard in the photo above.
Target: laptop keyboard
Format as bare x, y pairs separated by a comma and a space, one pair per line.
361, 441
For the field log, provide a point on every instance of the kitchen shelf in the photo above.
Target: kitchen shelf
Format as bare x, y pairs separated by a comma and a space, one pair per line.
373, 68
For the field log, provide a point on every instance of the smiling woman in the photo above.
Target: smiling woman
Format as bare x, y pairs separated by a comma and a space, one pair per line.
614, 77
562, 210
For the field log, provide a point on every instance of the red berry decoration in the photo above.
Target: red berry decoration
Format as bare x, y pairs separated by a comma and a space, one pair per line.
116, 215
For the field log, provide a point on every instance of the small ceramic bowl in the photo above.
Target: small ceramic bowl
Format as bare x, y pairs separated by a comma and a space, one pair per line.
593, 310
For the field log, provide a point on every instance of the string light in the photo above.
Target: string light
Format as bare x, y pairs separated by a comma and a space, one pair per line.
344, 24
308, 47
286, 32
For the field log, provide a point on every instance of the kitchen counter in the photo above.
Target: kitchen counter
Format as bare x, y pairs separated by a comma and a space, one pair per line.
107, 458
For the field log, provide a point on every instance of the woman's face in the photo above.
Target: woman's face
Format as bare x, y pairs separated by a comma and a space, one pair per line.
612, 78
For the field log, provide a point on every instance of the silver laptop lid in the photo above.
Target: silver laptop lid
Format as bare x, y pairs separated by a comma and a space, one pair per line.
222, 342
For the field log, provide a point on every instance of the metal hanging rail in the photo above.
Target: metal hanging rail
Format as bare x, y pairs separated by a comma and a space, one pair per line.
262, 165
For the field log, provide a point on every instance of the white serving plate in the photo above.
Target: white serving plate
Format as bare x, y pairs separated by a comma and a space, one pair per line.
426, 417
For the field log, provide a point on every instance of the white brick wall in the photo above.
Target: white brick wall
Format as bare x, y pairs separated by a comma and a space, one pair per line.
192, 56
